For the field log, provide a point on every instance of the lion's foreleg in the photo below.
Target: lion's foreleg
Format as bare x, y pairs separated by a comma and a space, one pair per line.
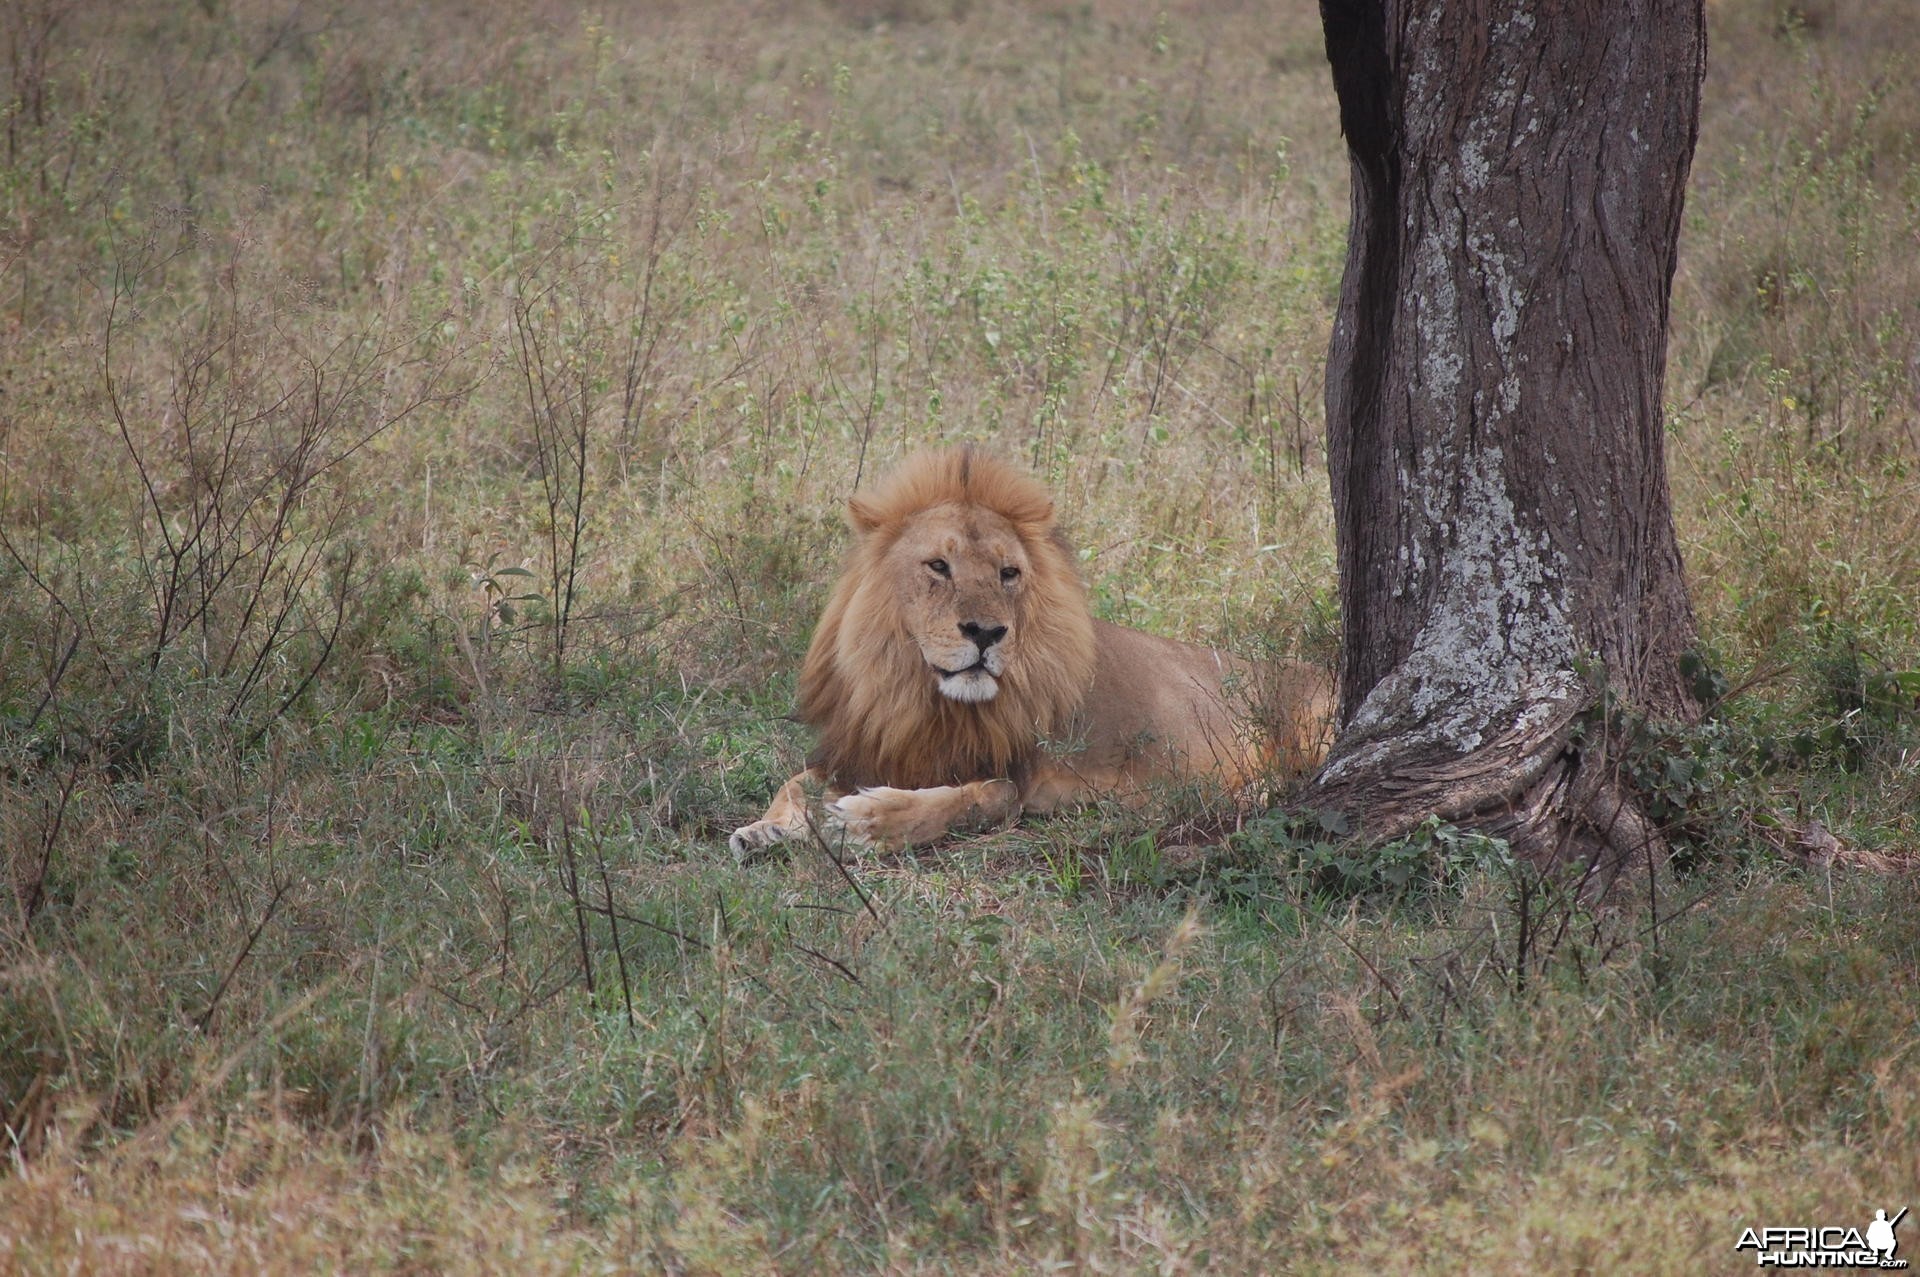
786, 817
888, 817
1059, 784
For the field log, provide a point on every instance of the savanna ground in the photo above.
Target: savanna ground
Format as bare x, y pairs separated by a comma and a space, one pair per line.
422, 434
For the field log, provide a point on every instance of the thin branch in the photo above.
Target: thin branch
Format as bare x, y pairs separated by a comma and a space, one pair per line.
205, 1018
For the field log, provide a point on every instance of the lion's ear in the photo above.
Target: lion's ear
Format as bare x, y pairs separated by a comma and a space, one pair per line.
862, 515
1035, 522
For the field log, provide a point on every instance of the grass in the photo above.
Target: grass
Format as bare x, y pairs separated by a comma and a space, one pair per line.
422, 434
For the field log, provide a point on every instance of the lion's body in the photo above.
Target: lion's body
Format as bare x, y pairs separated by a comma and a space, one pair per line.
957, 677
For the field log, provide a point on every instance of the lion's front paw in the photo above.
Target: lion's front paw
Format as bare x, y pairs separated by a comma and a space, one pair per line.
751, 842
881, 816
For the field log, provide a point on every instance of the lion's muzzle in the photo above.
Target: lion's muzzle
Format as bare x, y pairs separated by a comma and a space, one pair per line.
971, 674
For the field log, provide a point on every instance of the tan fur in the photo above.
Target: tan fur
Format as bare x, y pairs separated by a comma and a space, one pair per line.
957, 560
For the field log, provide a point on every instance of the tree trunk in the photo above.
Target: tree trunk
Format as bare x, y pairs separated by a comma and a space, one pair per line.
1494, 416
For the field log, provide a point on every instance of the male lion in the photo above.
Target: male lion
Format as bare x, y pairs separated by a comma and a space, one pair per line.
957, 678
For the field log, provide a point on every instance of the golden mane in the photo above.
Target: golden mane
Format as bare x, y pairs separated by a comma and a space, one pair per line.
865, 689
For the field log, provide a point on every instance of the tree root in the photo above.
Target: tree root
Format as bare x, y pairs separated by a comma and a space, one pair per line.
1558, 801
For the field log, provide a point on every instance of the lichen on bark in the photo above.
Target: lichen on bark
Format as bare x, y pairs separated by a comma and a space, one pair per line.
1496, 645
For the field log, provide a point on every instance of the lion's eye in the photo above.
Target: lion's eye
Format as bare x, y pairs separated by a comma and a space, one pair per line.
939, 567
1009, 574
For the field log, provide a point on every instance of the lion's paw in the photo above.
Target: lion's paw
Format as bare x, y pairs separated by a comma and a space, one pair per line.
879, 816
751, 842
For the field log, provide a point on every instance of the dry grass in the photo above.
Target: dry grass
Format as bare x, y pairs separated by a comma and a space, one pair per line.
422, 430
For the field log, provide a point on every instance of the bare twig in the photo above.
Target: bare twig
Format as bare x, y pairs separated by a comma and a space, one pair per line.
37, 894
613, 922
202, 1021
571, 877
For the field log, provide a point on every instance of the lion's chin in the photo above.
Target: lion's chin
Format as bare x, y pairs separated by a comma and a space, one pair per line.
970, 687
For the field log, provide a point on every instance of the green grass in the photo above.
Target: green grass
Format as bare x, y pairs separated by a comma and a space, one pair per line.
366, 901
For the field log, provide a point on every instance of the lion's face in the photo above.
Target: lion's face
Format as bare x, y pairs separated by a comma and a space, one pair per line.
960, 575
957, 637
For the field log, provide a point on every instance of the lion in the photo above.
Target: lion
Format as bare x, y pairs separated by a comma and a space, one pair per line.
958, 679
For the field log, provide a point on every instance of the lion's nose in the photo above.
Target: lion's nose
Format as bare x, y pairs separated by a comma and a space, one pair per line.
983, 636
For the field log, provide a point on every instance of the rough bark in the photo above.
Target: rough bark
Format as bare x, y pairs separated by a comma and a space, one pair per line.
1494, 416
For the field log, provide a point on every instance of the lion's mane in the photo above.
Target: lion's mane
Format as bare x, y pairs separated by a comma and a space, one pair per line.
865, 687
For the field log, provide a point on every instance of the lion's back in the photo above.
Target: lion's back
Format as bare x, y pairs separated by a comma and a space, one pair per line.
1165, 707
